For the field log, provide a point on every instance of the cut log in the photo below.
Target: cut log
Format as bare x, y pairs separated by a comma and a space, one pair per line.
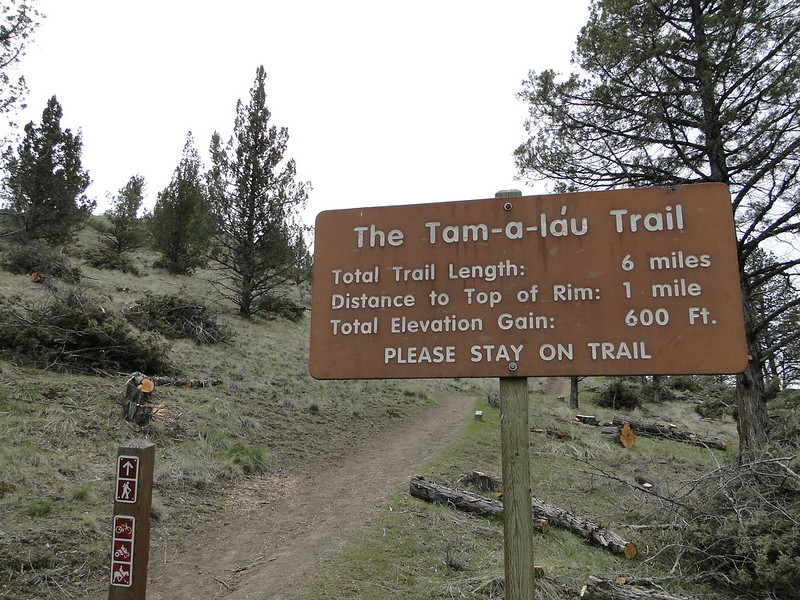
593, 532
181, 382
670, 432
561, 435
587, 419
621, 434
542, 511
463, 500
146, 386
605, 589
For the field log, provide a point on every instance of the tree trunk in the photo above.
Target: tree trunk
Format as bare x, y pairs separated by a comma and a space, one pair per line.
136, 400
656, 389
573, 392
752, 420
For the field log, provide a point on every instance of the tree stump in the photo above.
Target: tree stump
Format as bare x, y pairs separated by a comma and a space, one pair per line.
136, 404
623, 435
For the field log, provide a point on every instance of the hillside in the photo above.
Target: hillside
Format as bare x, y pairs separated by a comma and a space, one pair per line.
268, 429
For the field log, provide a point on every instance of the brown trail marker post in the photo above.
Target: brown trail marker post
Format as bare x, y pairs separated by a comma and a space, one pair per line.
130, 530
621, 282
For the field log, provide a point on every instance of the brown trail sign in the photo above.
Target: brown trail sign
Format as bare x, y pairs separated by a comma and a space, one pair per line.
628, 282
640, 281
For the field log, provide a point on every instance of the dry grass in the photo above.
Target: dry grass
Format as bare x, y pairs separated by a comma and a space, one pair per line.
59, 433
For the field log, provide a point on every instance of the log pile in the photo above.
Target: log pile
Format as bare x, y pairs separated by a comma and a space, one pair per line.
670, 432
623, 589
614, 430
544, 514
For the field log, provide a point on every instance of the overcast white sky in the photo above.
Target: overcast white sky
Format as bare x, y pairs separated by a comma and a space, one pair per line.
386, 102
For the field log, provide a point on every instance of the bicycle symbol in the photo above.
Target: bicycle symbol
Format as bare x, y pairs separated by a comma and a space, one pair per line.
124, 528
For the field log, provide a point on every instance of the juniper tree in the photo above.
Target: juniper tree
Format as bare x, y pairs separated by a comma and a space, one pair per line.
683, 91
125, 230
45, 181
256, 202
181, 224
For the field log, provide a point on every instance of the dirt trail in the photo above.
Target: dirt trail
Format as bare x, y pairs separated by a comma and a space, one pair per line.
282, 529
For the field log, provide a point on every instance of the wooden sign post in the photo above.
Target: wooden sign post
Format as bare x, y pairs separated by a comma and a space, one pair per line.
515, 450
619, 282
130, 544
517, 514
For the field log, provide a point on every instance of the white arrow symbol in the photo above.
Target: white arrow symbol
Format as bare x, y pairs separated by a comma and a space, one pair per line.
127, 466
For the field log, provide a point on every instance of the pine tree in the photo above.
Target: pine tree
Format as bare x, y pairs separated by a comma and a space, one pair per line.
256, 201
684, 91
181, 224
45, 181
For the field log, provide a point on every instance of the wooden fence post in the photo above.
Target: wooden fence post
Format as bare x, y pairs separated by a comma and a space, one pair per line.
130, 545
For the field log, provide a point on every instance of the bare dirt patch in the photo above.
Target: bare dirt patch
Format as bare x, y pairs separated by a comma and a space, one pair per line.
280, 529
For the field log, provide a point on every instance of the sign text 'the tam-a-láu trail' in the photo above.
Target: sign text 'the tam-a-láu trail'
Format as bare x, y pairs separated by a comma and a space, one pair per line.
641, 281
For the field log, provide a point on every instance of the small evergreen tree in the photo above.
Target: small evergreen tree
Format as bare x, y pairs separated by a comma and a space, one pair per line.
256, 202
124, 231
181, 223
45, 181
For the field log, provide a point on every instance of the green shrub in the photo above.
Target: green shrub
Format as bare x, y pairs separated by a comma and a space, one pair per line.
251, 460
684, 382
282, 307
39, 509
718, 403
49, 262
103, 258
176, 316
620, 394
744, 531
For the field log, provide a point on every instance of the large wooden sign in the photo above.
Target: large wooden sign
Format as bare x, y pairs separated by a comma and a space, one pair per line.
640, 281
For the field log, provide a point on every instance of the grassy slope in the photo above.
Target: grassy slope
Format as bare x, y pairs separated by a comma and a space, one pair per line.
59, 434
418, 551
